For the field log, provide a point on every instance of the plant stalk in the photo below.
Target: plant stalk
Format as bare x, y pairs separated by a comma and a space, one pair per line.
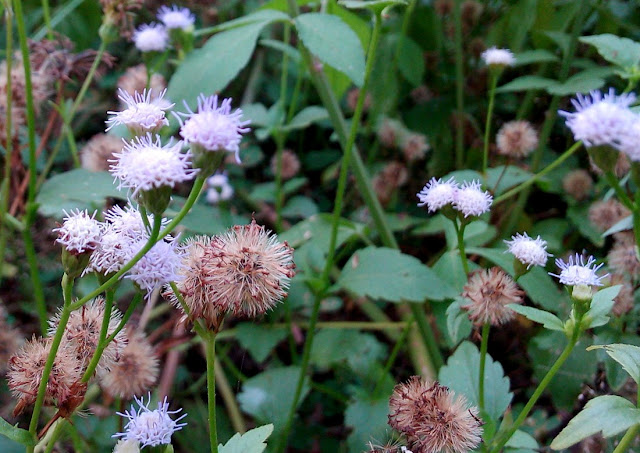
483, 358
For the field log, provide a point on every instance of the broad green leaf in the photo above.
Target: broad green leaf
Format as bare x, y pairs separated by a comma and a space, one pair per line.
458, 324
16, 434
291, 51
76, 189
601, 304
209, 69
253, 441
368, 418
620, 51
528, 82
318, 229
388, 274
410, 60
259, 339
535, 56
626, 355
608, 414
476, 234
256, 113
522, 442
622, 225
306, 117
267, 191
579, 83
461, 372
357, 349
204, 219
370, 4
299, 207
577, 214
333, 42
506, 179
263, 14
548, 320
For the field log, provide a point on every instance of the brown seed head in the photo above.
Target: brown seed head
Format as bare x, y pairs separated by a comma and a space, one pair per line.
135, 80
290, 164
490, 291
517, 139
421, 94
352, 100
414, 146
433, 418
385, 183
605, 214
470, 12
99, 150
135, 371
622, 256
578, 184
120, 13
389, 131
443, 7
625, 299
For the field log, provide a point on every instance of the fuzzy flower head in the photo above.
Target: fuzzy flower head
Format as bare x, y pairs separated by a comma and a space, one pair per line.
150, 427
498, 57
578, 272
437, 193
489, 292
516, 139
143, 113
79, 233
214, 127
601, 119
218, 188
433, 418
176, 17
630, 142
529, 251
127, 446
151, 38
144, 164
157, 267
471, 200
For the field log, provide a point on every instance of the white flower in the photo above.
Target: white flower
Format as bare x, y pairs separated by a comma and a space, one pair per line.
143, 113
601, 120
577, 272
438, 193
630, 141
80, 232
529, 251
150, 427
470, 200
498, 57
127, 446
213, 127
151, 37
128, 222
219, 188
144, 165
176, 17
158, 266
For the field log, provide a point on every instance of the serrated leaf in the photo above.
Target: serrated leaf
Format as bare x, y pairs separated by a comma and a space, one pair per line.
253, 441
601, 305
608, 414
626, 355
528, 82
548, 320
16, 434
331, 40
461, 375
388, 274
620, 51
259, 339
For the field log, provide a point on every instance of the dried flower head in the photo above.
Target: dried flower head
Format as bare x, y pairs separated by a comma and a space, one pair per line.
470, 12
578, 184
471, 200
120, 13
433, 418
27, 366
516, 139
625, 300
578, 272
80, 232
290, 164
218, 188
623, 256
414, 146
352, 100
150, 427
151, 38
490, 291
82, 334
443, 7
99, 150
142, 114
498, 57
529, 251
386, 183
605, 214
176, 17
134, 80
437, 193
135, 371
421, 94
127, 446
389, 132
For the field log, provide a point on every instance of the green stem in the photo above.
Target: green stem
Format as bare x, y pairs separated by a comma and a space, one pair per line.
47, 18
127, 314
104, 330
487, 128
626, 440
392, 357
226, 392
460, 235
483, 357
210, 353
622, 195
457, 20
280, 135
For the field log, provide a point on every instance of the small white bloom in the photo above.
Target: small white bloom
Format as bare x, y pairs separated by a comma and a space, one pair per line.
498, 57
128, 222
601, 119
529, 251
471, 200
150, 427
438, 193
144, 165
404, 449
143, 113
219, 188
176, 17
630, 141
80, 232
213, 127
151, 37
158, 266
577, 272
127, 446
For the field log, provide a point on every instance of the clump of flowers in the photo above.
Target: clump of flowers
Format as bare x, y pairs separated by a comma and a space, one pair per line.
157, 267
176, 17
471, 200
489, 292
142, 113
437, 194
79, 233
605, 214
99, 150
433, 419
516, 139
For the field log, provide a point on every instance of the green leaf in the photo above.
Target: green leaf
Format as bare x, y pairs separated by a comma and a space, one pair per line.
368, 418
410, 60
76, 189
335, 346
252, 441
461, 372
370, 4
388, 274
506, 179
334, 43
458, 324
210, 69
259, 339
267, 191
622, 225
608, 414
204, 219
528, 82
579, 83
620, 51
299, 207
535, 56
522, 442
626, 355
548, 320
16, 434
306, 117
601, 304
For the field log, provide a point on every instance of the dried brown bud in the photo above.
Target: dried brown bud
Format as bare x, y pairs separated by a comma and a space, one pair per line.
622, 257
625, 299
99, 150
516, 139
135, 80
290, 164
578, 184
605, 214
490, 291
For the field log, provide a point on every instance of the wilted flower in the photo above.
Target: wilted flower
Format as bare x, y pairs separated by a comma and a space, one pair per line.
498, 57
80, 232
471, 200
150, 427
99, 150
490, 291
176, 17
142, 114
516, 139
433, 418
529, 251
219, 188
578, 272
437, 193
151, 38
